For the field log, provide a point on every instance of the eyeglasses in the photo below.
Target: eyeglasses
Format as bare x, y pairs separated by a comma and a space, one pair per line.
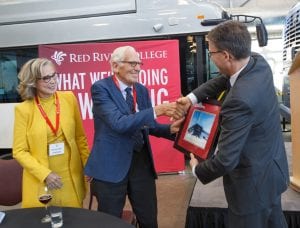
210, 53
133, 63
48, 78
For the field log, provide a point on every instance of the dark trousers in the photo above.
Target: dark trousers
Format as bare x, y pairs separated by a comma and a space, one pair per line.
139, 185
272, 217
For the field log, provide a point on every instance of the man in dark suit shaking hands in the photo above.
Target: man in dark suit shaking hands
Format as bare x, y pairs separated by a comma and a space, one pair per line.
251, 155
121, 161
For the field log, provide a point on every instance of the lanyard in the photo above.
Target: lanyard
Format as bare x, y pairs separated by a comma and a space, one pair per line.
133, 91
54, 130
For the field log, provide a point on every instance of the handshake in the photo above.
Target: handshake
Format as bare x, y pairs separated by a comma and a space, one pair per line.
175, 110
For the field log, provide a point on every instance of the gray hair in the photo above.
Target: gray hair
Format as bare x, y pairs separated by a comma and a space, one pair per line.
119, 54
28, 76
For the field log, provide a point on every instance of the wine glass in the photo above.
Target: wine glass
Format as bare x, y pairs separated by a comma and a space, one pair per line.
45, 196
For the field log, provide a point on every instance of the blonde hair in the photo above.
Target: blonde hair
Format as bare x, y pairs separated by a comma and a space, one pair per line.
28, 76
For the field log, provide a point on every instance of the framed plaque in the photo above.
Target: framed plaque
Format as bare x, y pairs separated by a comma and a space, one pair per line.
199, 130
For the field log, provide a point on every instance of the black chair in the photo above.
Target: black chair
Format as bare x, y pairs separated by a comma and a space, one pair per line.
127, 215
10, 182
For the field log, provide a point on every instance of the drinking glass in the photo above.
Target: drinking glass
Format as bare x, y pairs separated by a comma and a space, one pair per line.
56, 214
45, 196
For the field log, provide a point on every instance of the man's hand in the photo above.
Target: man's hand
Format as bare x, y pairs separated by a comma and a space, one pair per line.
175, 126
165, 109
88, 179
182, 106
193, 162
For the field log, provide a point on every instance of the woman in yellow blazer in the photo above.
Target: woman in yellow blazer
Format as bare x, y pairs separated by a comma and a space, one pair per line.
49, 139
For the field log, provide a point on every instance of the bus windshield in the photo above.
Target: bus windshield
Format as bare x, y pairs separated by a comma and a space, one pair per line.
10, 62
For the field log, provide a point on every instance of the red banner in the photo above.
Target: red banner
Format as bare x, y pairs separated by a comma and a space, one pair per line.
80, 65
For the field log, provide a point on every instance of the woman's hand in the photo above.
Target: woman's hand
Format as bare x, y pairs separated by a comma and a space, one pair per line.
53, 181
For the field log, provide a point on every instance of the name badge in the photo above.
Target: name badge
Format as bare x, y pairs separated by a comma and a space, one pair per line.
56, 149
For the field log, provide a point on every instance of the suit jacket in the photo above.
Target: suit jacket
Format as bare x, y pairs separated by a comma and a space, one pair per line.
30, 145
251, 155
114, 126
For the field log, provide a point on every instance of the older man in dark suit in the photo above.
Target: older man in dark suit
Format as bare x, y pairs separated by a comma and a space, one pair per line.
121, 161
251, 154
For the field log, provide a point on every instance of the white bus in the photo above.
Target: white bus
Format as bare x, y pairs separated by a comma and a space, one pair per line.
25, 24
291, 46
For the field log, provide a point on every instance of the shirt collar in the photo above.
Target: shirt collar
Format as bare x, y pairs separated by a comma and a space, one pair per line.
233, 77
122, 85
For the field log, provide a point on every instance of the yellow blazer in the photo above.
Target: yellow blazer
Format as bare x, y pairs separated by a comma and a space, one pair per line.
30, 145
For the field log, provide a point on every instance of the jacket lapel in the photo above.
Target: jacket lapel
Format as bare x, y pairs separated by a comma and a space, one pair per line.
117, 96
140, 99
